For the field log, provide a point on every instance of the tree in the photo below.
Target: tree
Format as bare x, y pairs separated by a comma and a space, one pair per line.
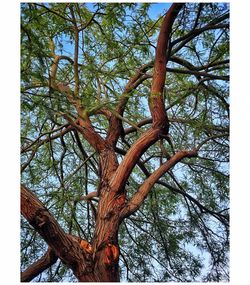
124, 144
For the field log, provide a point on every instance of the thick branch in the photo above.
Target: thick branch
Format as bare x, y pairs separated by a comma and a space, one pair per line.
161, 50
48, 259
84, 126
156, 102
160, 123
66, 248
139, 197
131, 158
177, 190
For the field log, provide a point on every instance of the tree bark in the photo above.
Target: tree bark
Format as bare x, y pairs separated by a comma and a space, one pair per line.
156, 102
139, 197
105, 241
68, 249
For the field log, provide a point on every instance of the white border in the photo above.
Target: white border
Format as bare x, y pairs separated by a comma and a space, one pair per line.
10, 129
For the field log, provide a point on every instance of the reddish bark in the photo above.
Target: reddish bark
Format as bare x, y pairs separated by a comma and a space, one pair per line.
139, 197
156, 103
66, 248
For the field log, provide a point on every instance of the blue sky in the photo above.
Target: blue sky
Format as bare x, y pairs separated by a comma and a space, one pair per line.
157, 8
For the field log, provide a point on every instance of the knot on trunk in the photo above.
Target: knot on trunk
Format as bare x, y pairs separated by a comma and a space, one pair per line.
86, 246
111, 252
40, 218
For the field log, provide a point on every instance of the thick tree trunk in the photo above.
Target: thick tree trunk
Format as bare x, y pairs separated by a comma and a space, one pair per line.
105, 241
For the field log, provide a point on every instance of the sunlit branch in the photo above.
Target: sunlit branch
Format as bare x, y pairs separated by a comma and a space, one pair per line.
139, 197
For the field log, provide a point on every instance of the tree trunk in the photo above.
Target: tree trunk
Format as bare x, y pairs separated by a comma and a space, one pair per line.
105, 241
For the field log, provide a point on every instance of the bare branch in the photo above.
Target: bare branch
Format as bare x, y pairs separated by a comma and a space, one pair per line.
198, 73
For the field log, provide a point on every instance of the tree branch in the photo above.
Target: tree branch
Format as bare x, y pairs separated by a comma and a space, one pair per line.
67, 129
192, 34
88, 197
156, 102
202, 208
131, 158
48, 259
139, 197
76, 52
84, 126
198, 73
65, 247
115, 127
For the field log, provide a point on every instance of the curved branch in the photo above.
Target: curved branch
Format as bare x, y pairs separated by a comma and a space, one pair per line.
147, 121
115, 127
85, 127
52, 11
83, 124
190, 66
194, 70
131, 158
160, 122
192, 34
202, 208
48, 259
156, 102
139, 197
